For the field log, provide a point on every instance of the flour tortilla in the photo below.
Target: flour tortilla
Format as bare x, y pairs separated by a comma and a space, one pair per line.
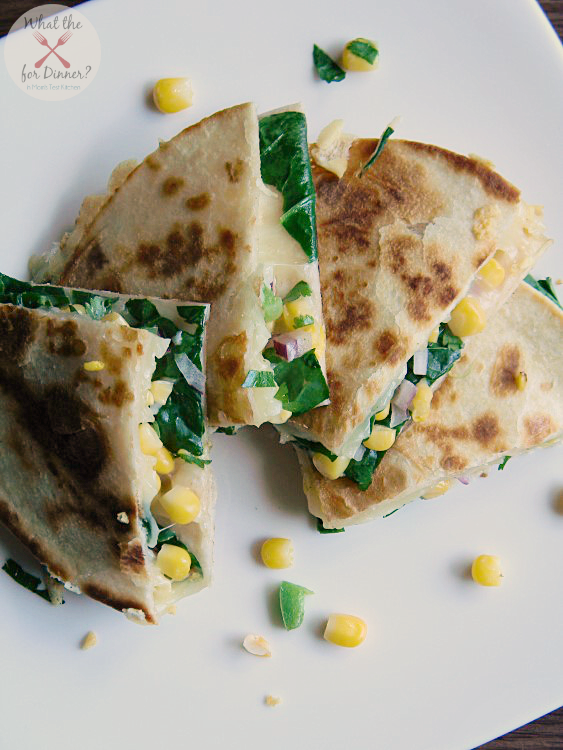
478, 416
74, 484
399, 247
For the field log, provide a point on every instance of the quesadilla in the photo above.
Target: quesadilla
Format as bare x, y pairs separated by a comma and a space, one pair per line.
416, 253
223, 213
502, 398
104, 454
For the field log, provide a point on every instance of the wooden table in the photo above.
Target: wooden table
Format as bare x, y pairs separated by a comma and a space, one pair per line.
545, 733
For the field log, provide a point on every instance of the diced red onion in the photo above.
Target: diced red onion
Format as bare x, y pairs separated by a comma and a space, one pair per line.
193, 376
463, 480
397, 415
404, 395
420, 362
359, 454
289, 346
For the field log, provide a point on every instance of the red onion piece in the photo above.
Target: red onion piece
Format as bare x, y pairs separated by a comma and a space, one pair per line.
420, 362
404, 395
397, 415
463, 480
289, 346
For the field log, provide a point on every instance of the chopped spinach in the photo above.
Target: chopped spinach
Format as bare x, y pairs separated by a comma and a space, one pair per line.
391, 513
272, 306
301, 289
302, 384
259, 379
284, 160
325, 66
545, 286
442, 355
321, 529
364, 49
503, 463
25, 579
201, 462
227, 430
292, 604
388, 132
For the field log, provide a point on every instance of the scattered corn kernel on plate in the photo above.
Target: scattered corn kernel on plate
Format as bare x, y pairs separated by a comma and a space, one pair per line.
444, 662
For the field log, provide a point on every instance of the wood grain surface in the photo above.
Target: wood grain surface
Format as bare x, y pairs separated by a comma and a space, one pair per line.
545, 733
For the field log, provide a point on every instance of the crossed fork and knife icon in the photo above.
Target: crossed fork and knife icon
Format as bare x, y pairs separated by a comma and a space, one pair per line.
41, 39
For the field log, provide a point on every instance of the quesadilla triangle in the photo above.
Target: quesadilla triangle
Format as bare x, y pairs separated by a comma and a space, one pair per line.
417, 252
504, 397
104, 460
223, 213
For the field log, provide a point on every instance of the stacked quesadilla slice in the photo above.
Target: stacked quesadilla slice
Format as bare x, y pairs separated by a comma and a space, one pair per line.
223, 213
417, 253
104, 455
503, 397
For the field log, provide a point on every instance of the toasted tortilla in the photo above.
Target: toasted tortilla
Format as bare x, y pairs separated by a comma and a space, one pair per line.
75, 486
479, 415
399, 247
195, 221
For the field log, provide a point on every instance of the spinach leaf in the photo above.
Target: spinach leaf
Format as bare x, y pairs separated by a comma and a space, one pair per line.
301, 289
325, 66
321, 529
312, 447
303, 320
181, 421
259, 379
227, 430
25, 579
503, 463
388, 132
302, 384
364, 49
391, 513
362, 471
195, 314
545, 286
284, 159
442, 355
201, 462
272, 306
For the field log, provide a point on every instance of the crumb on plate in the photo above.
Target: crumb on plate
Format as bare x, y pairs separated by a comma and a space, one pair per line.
271, 700
89, 641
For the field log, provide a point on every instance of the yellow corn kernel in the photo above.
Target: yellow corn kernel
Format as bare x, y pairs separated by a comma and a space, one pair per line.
352, 61
161, 390
521, 379
381, 438
89, 641
492, 273
149, 398
277, 553
433, 338
174, 562
180, 504
281, 418
439, 489
94, 365
330, 469
420, 406
468, 318
318, 338
291, 310
114, 317
384, 413
345, 630
173, 94
150, 442
164, 461
486, 570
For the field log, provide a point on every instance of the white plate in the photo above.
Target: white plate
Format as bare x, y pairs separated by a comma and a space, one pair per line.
447, 664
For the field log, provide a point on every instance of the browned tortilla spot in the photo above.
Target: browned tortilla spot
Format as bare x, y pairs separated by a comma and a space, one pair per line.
17, 331
453, 463
506, 367
117, 394
95, 257
64, 339
485, 429
152, 163
198, 202
234, 170
172, 185
537, 428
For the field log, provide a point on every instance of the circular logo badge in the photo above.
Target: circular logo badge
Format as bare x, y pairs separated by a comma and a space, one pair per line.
52, 52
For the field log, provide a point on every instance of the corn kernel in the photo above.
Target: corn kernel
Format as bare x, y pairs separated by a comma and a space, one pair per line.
381, 438
486, 570
114, 317
295, 309
384, 413
281, 418
318, 338
94, 365
468, 318
89, 641
360, 55
492, 273
149, 398
173, 94
164, 461
345, 630
175, 562
161, 390
439, 489
180, 504
521, 379
433, 338
150, 442
277, 553
420, 406
330, 469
